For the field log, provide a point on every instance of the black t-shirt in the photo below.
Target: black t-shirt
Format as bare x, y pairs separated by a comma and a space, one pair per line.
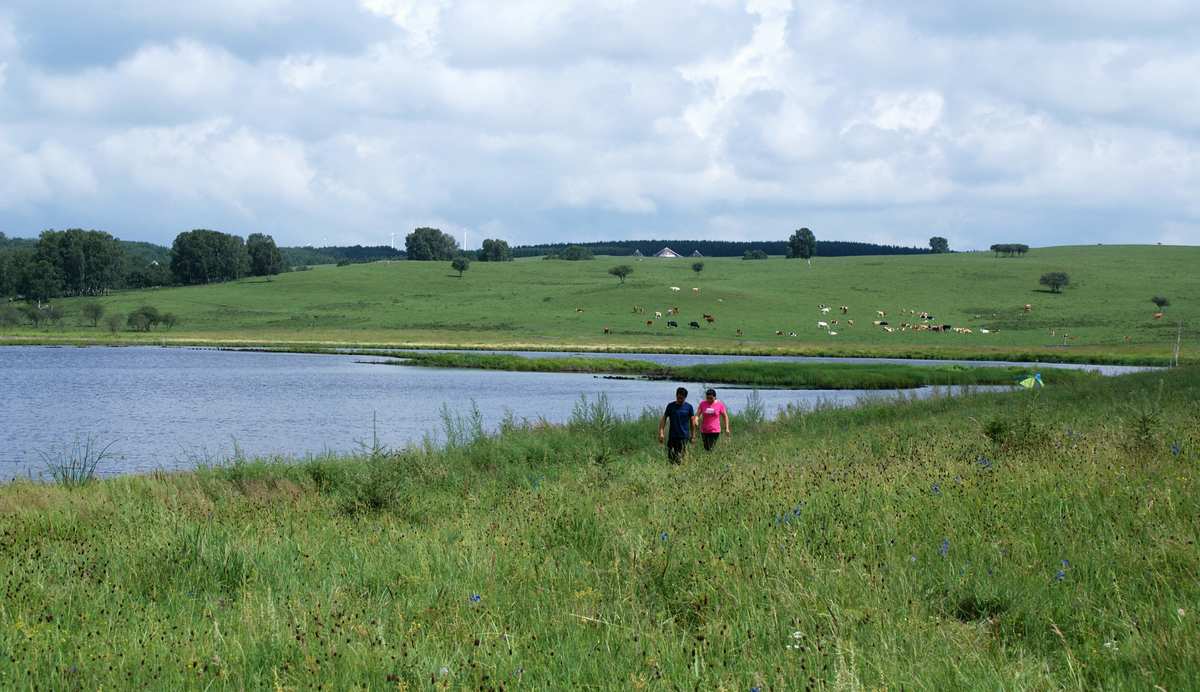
679, 418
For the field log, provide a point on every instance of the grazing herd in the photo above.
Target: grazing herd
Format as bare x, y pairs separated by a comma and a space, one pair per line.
921, 320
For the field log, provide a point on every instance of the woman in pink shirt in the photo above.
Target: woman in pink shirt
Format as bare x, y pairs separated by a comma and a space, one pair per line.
710, 412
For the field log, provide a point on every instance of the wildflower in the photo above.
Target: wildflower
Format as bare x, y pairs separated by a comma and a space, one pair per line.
1066, 563
1181, 612
1176, 449
663, 536
1060, 576
912, 558
937, 489
443, 671
475, 598
755, 689
945, 549
984, 463
797, 635
1111, 645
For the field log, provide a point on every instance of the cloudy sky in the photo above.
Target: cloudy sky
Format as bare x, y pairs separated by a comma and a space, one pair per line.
1037, 121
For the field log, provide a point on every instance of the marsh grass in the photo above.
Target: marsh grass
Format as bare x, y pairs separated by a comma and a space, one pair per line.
889, 545
757, 373
74, 464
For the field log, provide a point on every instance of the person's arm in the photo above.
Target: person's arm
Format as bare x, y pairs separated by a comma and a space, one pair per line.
695, 424
725, 413
662, 424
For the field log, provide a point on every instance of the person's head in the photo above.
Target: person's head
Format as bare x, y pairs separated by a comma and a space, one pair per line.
681, 395
710, 396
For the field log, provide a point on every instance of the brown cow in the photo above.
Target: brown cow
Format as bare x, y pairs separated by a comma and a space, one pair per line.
607, 330
649, 323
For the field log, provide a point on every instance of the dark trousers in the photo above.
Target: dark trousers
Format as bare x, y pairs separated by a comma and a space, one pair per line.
676, 449
710, 440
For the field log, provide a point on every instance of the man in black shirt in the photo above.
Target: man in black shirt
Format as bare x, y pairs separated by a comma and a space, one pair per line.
682, 419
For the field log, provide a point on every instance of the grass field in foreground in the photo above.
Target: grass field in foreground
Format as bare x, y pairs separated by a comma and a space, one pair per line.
756, 374
1039, 540
1105, 315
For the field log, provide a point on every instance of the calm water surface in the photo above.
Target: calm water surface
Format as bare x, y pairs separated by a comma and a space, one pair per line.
164, 408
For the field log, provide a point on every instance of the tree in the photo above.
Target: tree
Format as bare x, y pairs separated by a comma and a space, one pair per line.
939, 244
621, 271
574, 253
802, 244
495, 251
202, 256
265, 258
697, 267
88, 262
429, 244
93, 312
754, 255
1160, 301
114, 322
39, 281
460, 265
1055, 281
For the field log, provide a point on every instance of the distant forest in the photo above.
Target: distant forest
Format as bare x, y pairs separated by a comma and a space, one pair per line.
719, 248
300, 256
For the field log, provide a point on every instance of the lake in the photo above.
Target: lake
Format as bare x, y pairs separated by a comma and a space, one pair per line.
175, 408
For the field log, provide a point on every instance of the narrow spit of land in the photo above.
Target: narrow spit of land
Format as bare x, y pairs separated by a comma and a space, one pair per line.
755, 374
1041, 539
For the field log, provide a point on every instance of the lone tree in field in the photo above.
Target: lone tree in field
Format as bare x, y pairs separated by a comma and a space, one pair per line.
460, 265
802, 244
697, 267
114, 322
621, 271
430, 244
1055, 281
93, 312
939, 245
1160, 301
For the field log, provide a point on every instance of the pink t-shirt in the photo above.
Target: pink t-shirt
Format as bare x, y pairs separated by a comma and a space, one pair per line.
710, 416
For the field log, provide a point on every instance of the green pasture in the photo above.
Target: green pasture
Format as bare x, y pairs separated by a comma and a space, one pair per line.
1029, 540
1105, 314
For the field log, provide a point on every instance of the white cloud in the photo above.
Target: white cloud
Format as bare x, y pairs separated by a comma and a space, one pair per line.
576, 120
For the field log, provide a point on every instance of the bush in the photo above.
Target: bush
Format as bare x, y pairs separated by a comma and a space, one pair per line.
754, 255
621, 271
144, 318
1055, 281
460, 265
10, 316
93, 312
114, 322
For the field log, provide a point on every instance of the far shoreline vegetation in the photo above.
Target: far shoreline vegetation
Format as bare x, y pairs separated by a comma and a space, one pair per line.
819, 375
1102, 305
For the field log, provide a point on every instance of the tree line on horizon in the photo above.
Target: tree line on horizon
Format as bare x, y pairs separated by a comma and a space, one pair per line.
718, 248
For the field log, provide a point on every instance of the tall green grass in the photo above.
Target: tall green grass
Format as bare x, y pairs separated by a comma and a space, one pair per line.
997, 541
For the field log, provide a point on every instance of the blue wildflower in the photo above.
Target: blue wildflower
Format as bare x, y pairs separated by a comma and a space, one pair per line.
663, 536
755, 689
1060, 576
475, 598
1066, 564
984, 462
937, 489
945, 549
1176, 449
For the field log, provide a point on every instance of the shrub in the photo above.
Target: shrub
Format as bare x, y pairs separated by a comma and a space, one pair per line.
114, 322
144, 318
621, 271
93, 312
1055, 281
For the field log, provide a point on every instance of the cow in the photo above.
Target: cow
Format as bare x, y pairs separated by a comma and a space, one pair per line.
694, 325
657, 314
709, 318
822, 325
607, 330
844, 309
881, 314
1158, 315
649, 323
825, 310
1028, 307
672, 323
778, 332
695, 290
739, 331
676, 289
578, 310
832, 333
984, 330
850, 322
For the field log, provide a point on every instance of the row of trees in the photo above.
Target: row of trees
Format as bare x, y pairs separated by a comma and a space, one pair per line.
142, 319
78, 262
1009, 249
719, 248
430, 244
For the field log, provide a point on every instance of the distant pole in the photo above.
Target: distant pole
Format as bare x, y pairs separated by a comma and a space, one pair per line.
1178, 342
393, 240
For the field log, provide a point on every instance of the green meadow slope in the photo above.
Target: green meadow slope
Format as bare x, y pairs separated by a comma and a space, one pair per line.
1036, 540
1105, 314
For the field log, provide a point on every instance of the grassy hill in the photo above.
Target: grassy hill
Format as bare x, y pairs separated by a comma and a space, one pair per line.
1105, 314
1037, 540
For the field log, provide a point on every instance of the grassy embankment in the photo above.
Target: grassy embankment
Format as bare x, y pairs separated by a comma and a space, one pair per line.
1031, 540
533, 305
756, 374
